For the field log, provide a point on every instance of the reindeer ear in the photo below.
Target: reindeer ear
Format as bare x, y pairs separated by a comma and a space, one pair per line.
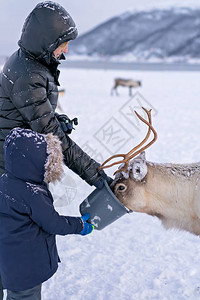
139, 168
142, 156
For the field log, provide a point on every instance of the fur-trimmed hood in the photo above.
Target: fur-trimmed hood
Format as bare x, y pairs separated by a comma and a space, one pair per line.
32, 156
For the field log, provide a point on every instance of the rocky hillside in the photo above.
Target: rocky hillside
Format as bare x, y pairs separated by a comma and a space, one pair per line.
162, 34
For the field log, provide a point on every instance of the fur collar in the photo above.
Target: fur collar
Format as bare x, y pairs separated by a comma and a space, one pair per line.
54, 162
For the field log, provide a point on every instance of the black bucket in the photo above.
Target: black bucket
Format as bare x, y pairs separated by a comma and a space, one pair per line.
103, 206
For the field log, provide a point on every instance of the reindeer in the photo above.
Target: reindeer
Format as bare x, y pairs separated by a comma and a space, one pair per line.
125, 82
170, 192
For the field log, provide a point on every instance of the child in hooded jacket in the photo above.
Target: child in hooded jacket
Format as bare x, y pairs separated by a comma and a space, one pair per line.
28, 220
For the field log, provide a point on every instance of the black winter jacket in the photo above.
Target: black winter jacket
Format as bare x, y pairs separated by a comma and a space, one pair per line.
28, 85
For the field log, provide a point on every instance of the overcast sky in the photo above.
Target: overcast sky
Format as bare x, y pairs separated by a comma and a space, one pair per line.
86, 14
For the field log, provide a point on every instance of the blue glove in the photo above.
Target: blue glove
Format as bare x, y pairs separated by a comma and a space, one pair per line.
88, 228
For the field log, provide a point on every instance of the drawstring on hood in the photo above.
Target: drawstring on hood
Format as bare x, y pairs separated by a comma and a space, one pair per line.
32, 156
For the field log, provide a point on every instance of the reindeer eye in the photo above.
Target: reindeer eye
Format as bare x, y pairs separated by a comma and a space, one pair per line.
121, 187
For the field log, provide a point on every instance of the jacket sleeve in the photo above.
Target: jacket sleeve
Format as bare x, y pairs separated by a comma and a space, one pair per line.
81, 163
29, 95
43, 213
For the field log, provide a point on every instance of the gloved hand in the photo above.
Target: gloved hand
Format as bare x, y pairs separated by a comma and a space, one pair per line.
100, 182
66, 123
88, 228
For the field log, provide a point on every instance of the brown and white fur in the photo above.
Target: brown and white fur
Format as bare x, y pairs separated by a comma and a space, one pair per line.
170, 192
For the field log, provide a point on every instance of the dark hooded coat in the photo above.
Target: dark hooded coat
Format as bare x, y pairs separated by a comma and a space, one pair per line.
28, 220
28, 85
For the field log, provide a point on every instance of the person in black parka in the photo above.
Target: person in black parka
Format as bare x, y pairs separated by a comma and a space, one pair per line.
28, 220
29, 86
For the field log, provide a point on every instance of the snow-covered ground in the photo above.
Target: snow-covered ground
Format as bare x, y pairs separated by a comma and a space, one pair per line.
134, 258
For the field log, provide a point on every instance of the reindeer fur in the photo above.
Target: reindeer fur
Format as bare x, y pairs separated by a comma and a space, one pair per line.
170, 192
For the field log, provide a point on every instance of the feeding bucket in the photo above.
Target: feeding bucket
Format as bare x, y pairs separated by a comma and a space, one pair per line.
104, 208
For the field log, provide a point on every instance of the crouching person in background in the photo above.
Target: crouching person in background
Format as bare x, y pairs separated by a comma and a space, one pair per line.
28, 220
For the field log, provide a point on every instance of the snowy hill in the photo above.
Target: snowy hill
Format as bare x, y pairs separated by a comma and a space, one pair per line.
165, 34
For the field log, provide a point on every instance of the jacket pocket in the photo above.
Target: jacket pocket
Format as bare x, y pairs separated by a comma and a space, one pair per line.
52, 251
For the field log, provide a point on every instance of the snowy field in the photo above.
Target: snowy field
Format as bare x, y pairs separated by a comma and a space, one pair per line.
134, 258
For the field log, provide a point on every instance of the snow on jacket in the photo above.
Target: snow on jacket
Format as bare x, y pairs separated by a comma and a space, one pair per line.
28, 220
28, 85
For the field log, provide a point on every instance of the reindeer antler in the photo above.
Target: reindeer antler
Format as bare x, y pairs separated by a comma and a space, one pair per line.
127, 157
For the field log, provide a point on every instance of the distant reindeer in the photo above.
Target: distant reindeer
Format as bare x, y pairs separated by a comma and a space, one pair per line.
170, 192
130, 83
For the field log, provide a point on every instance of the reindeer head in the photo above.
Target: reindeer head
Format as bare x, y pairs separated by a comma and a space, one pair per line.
128, 185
